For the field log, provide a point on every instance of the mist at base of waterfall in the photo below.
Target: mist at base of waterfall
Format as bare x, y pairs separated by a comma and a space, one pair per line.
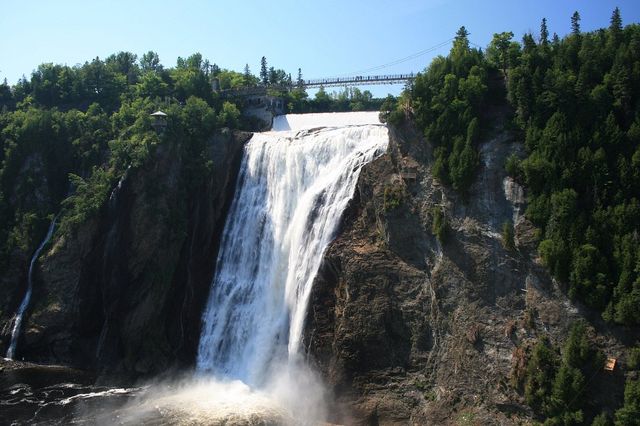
292, 396
57, 395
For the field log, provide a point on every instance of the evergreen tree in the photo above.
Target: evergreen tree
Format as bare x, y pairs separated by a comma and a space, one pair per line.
264, 74
247, 75
579, 168
460, 43
299, 81
575, 23
616, 22
544, 32
273, 76
629, 414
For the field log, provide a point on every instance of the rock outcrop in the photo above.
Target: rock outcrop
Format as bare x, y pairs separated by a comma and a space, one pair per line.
124, 292
408, 329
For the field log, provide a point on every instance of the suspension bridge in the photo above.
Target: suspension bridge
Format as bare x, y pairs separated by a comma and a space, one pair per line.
360, 80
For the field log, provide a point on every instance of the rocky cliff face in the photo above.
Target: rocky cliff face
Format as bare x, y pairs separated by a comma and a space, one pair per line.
409, 329
406, 327
125, 291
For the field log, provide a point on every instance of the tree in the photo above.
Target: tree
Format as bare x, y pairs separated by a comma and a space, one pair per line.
190, 81
576, 351
273, 76
215, 70
125, 63
229, 116
322, 100
151, 85
575, 23
498, 50
264, 74
616, 22
247, 75
103, 84
195, 62
150, 61
563, 402
544, 32
389, 106
541, 369
299, 80
630, 412
6, 97
460, 44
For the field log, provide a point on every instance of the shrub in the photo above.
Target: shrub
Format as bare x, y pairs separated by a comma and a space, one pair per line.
439, 226
512, 166
634, 359
393, 197
507, 236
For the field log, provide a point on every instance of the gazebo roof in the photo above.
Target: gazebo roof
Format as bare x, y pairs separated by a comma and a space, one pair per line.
158, 114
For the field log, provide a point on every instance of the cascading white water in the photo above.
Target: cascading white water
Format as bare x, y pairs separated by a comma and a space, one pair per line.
15, 332
292, 189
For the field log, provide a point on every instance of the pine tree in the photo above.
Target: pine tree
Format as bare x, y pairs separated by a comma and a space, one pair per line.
461, 42
272, 76
544, 32
264, 74
247, 75
616, 21
575, 23
299, 81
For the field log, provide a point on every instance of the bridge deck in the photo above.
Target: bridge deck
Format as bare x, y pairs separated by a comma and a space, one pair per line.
359, 80
322, 82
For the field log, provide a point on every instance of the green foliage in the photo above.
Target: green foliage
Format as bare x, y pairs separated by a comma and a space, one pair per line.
579, 112
349, 99
229, 116
513, 167
633, 363
498, 50
439, 225
88, 198
556, 387
601, 420
447, 100
629, 414
68, 134
507, 236
389, 105
393, 197
539, 375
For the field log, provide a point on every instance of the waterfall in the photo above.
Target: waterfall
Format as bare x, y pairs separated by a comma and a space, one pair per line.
15, 332
292, 189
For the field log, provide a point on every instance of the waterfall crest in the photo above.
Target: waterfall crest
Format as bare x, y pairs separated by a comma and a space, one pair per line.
292, 189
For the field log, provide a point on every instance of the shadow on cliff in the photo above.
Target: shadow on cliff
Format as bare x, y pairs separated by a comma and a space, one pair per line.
124, 292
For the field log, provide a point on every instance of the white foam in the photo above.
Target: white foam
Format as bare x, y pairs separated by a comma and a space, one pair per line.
324, 119
293, 185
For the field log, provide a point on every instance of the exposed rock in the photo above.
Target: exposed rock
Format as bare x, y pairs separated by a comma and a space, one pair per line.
124, 293
409, 330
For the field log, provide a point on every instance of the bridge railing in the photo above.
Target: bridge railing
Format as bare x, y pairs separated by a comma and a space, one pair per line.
322, 82
369, 79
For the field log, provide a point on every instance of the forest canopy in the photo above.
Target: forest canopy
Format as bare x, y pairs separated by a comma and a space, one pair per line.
575, 104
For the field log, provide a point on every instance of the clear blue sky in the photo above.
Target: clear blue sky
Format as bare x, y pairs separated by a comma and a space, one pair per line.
325, 38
